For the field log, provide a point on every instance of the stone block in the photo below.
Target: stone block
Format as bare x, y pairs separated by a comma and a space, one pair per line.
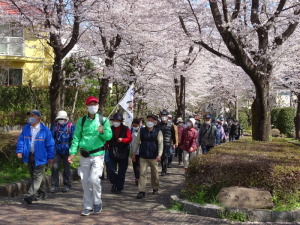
296, 216
282, 217
260, 215
239, 197
210, 210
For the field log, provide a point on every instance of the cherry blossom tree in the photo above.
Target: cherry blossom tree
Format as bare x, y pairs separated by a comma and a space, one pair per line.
60, 23
252, 32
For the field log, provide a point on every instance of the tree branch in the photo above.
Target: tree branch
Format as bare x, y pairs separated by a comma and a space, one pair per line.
236, 9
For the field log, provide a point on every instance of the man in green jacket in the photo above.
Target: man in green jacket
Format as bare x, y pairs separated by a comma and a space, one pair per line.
91, 133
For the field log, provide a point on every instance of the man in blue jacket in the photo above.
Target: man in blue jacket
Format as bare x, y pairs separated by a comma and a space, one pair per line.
36, 147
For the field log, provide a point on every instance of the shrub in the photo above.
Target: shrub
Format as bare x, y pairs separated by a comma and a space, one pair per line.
273, 166
16, 101
274, 116
275, 133
243, 120
285, 121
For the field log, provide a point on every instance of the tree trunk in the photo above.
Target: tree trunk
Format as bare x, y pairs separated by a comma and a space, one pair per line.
55, 88
179, 96
261, 111
103, 95
297, 118
236, 108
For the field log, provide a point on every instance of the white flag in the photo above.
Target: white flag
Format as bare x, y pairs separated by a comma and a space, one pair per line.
127, 104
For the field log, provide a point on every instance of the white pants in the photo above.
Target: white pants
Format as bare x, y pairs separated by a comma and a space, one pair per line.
90, 171
187, 156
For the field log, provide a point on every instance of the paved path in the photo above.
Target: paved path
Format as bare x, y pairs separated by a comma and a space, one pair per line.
64, 208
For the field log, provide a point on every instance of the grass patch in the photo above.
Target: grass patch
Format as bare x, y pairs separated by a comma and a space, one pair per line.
176, 206
234, 216
273, 166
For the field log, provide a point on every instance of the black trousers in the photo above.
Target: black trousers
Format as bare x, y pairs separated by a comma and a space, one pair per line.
55, 170
117, 172
136, 167
165, 157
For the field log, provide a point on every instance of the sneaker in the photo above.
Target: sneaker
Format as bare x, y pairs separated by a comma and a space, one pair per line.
179, 163
97, 208
28, 200
86, 212
155, 192
140, 195
53, 189
136, 182
163, 173
40, 196
113, 188
169, 166
66, 189
118, 191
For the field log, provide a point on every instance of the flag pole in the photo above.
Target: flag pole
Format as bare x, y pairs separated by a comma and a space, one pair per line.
113, 110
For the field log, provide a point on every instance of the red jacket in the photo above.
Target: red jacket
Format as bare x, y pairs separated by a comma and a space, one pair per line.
180, 130
126, 140
188, 139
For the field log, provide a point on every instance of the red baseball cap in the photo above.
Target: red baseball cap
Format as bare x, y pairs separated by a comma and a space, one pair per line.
91, 99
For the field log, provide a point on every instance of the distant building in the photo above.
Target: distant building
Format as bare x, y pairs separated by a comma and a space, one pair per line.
22, 56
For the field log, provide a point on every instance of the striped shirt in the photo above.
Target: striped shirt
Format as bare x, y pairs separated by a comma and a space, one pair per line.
34, 131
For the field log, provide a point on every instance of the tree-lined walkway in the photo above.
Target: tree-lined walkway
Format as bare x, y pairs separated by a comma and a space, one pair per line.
65, 208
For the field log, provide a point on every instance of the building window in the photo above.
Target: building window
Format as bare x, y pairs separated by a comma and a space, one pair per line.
11, 40
11, 76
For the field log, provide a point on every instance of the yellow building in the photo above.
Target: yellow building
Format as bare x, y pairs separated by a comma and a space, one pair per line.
24, 58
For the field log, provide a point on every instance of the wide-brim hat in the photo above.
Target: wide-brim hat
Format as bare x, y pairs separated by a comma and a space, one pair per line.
117, 116
62, 115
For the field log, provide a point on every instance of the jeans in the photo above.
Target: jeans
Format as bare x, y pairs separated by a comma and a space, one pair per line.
170, 159
206, 148
90, 171
55, 171
117, 172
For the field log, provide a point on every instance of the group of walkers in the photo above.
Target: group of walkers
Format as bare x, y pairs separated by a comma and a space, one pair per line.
103, 143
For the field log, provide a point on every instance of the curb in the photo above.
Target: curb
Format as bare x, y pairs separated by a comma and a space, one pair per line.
21, 187
214, 211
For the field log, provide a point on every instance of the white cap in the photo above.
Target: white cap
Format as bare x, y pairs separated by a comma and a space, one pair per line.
179, 120
62, 115
192, 120
170, 116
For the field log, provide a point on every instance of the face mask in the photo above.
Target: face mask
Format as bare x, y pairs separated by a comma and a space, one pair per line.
31, 120
196, 126
93, 109
116, 124
207, 122
180, 124
136, 128
164, 118
61, 122
189, 124
149, 124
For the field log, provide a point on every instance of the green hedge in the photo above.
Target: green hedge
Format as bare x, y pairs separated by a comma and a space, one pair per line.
274, 116
16, 101
285, 121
